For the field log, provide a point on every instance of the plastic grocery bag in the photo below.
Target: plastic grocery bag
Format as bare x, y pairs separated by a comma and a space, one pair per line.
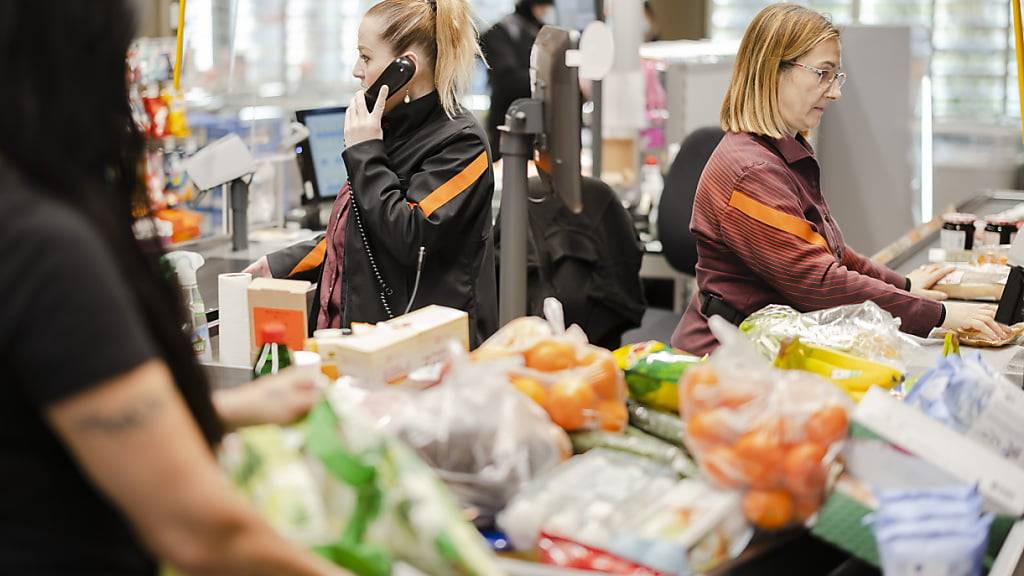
579, 385
770, 433
652, 372
624, 514
479, 434
356, 496
965, 394
864, 330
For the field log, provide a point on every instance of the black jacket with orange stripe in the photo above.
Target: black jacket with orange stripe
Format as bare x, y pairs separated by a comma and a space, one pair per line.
427, 184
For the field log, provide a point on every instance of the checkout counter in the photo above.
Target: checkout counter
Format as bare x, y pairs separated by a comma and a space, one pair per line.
903, 255
911, 251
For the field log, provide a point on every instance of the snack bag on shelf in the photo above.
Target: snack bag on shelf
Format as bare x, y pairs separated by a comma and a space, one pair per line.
852, 374
481, 436
579, 385
770, 433
863, 330
652, 372
623, 514
356, 496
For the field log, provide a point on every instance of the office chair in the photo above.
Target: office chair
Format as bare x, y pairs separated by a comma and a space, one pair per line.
676, 206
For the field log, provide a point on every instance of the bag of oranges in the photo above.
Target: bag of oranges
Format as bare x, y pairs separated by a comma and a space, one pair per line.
769, 433
579, 385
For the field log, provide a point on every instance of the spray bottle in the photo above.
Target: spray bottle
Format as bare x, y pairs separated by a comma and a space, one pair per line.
185, 266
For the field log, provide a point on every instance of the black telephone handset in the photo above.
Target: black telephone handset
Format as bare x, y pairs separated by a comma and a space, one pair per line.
395, 76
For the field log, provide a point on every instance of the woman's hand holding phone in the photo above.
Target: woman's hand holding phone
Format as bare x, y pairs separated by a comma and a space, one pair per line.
362, 125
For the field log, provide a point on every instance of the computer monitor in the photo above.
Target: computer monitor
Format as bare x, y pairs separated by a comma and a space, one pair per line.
557, 85
320, 163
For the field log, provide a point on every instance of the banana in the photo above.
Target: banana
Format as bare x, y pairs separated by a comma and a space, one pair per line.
853, 374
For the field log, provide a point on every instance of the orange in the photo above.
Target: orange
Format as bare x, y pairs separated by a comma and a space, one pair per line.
569, 403
768, 509
551, 356
827, 425
761, 453
723, 466
698, 390
734, 398
709, 428
531, 388
613, 415
804, 508
604, 375
804, 472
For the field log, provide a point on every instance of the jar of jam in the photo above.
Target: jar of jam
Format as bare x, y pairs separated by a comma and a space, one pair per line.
957, 232
999, 231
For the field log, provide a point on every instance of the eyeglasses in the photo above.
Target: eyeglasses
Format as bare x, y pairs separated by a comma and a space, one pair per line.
826, 77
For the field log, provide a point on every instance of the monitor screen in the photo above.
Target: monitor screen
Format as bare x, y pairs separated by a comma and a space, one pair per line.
320, 155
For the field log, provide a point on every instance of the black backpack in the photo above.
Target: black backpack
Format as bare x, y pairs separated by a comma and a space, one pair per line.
589, 261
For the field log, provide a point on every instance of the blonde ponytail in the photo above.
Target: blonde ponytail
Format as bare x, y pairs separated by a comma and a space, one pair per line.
445, 30
458, 47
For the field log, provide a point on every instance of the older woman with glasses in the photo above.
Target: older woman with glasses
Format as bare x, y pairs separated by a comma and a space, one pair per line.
765, 234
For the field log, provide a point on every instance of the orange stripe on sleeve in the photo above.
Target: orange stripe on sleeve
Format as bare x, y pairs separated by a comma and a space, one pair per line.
311, 260
776, 219
457, 185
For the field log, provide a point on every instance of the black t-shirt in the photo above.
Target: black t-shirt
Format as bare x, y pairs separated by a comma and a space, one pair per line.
68, 321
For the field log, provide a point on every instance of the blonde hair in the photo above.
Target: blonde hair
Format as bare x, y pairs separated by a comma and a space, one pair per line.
779, 33
444, 30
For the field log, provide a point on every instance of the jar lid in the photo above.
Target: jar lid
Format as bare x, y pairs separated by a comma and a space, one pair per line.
958, 218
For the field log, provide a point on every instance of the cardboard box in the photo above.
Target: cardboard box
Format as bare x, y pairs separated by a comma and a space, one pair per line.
1000, 481
283, 301
391, 350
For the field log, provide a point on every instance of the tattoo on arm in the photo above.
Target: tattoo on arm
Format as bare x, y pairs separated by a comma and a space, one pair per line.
131, 416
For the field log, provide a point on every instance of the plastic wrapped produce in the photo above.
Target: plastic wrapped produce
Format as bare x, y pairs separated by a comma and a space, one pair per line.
356, 496
639, 443
652, 372
579, 385
664, 425
863, 330
624, 514
481, 436
770, 433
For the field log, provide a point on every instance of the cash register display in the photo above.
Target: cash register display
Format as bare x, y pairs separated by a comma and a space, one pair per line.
325, 144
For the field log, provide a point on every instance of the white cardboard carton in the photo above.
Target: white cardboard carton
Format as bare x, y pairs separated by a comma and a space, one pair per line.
389, 351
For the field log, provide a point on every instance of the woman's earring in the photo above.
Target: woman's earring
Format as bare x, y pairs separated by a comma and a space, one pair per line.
407, 99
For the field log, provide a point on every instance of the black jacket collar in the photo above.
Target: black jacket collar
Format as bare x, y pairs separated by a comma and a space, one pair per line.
406, 119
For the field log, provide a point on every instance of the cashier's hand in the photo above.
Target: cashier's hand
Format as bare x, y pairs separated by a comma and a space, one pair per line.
924, 278
362, 125
979, 317
259, 269
279, 399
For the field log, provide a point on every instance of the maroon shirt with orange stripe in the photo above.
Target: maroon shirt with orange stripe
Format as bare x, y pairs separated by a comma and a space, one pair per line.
765, 235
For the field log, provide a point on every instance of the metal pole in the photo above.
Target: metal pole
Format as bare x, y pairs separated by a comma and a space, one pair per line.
523, 120
596, 128
239, 191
